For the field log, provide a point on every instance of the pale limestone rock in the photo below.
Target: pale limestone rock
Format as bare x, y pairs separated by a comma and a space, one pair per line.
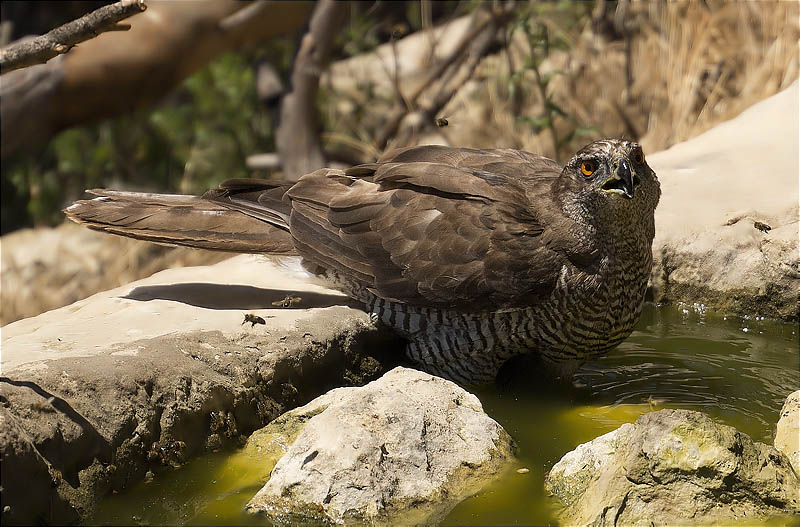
787, 435
46, 268
673, 467
403, 449
162, 370
726, 226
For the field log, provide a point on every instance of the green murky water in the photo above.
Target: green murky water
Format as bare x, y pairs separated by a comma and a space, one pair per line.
738, 370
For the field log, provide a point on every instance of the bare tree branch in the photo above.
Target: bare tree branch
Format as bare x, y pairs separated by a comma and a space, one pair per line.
394, 120
269, 162
463, 60
297, 137
128, 70
244, 16
6, 27
41, 49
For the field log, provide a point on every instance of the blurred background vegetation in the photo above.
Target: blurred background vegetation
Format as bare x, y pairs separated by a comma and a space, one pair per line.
197, 136
563, 74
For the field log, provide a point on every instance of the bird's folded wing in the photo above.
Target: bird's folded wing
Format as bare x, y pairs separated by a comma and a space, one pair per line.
453, 228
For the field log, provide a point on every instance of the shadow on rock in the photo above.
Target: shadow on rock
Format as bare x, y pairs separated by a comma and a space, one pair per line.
224, 296
93, 444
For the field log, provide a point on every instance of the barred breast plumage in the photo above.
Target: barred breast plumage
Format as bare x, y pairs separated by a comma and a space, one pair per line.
473, 256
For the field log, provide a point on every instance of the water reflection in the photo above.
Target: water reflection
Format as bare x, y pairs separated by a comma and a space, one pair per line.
677, 358
714, 367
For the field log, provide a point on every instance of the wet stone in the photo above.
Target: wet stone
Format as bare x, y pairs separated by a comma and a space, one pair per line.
673, 467
405, 449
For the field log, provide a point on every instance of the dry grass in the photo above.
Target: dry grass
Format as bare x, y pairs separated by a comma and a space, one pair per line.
715, 63
692, 65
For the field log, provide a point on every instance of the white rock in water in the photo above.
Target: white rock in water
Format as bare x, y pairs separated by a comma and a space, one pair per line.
673, 467
787, 436
405, 449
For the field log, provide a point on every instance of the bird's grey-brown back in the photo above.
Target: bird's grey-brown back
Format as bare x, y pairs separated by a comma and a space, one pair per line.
473, 255
478, 255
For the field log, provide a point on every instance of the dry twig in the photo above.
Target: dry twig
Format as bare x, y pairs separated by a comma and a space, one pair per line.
459, 65
41, 49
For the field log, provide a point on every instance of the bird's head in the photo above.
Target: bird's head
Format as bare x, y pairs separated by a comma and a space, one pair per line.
610, 176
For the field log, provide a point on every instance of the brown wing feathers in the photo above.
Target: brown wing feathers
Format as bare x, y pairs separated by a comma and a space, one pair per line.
315, 236
419, 228
426, 225
257, 198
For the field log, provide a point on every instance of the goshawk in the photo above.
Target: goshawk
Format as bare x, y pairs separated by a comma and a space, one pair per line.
473, 256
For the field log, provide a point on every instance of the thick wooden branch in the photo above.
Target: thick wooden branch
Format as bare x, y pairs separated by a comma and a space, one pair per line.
127, 70
41, 49
297, 137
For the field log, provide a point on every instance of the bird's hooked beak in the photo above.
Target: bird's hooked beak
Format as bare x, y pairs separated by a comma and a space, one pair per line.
623, 181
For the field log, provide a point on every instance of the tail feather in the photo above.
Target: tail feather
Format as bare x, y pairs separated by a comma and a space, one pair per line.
189, 221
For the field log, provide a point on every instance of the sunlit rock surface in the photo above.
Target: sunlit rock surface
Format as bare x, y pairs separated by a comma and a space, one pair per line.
673, 467
46, 268
727, 223
787, 436
162, 370
404, 449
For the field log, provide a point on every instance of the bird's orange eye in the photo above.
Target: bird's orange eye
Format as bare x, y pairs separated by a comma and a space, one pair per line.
588, 168
638, 157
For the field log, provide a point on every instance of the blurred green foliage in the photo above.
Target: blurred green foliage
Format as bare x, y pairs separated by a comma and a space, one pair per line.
200, 135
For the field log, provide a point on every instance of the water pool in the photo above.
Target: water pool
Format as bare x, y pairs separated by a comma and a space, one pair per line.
739, 370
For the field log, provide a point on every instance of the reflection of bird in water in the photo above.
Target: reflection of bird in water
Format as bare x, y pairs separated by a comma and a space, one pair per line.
473, 256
